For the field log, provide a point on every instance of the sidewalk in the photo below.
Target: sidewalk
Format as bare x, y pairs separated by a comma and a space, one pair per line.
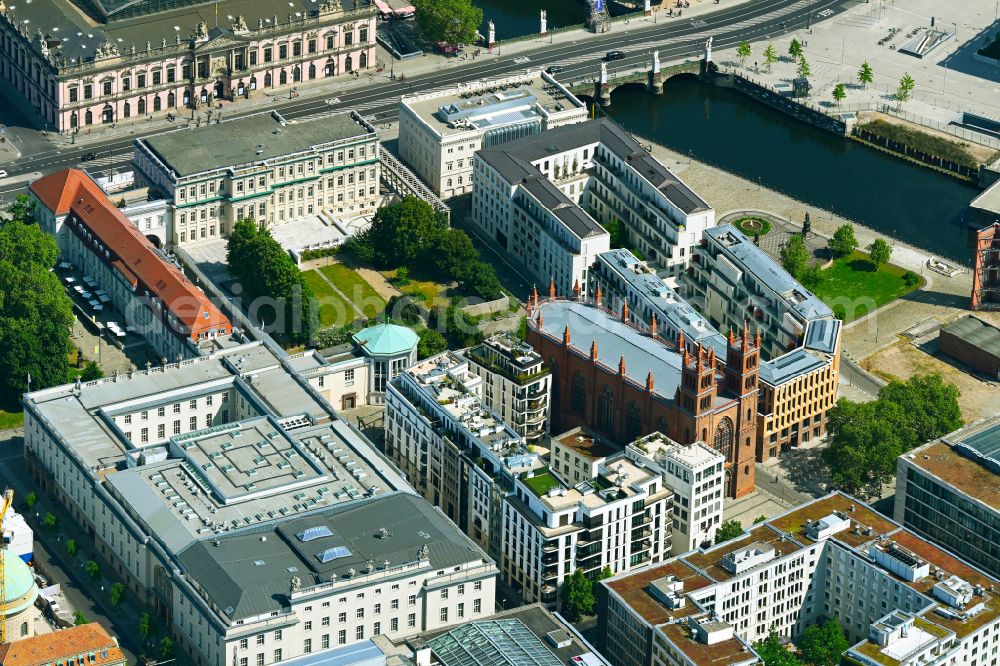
426, 64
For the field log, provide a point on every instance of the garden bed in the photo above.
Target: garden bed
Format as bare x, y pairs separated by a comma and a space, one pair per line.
753, 225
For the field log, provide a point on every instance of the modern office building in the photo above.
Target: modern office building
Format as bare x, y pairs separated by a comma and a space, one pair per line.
695, 475
156, 299
516, 383
228, 496
353, 375
626, 382
900, 600
263, 167
948, 491
439, 132
732, 282
83, 644
543, 201
91, 62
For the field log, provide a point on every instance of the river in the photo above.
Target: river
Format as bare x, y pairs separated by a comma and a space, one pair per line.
727, 129
516, 18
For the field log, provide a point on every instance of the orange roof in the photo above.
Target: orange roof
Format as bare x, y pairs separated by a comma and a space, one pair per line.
77, 641
72, 191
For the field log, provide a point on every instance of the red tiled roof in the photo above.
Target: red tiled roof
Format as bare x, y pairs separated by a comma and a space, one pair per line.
76, 641
72, 191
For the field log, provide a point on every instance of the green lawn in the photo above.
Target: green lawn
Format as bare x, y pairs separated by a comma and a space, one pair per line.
11, 419
853, 288
355, 288
333, 309
541, 483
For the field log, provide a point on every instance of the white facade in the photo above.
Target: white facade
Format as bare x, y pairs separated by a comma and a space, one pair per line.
206, 549
439, 132
155, 219
695, 474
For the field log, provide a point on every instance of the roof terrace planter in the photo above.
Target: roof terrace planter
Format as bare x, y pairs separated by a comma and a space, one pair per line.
541, 484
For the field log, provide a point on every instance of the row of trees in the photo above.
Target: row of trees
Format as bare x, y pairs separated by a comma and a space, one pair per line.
35, 312
866, 438
797, 259
819, 645
270, 285
411, 234
450, 21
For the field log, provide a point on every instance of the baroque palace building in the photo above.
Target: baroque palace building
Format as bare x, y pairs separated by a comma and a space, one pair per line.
75, 63
626, 381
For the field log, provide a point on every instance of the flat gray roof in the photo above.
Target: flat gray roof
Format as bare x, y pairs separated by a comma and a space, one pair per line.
259, 138
614, 340
789, 366
768, 273
246, 586
977, 333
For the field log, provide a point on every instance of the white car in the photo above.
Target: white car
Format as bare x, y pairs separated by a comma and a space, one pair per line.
3, 173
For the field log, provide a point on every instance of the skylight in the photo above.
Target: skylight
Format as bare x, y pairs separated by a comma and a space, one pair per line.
331, 554
311, 533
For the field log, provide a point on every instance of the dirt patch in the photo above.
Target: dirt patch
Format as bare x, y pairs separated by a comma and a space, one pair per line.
978, 398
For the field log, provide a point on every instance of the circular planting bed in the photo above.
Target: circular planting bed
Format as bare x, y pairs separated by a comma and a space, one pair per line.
751, 225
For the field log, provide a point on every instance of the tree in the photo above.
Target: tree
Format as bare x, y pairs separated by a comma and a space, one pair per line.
759, 519
795, 49
603, 574
770, 57
50, 521
22, 209
522, 328
803, 70
117, 594
865, 439
843, 242
145, 622
839, 93
401, 233
79, 618
481, 280
35, 312
450, 21
578, 596
773, 653
743, 52
811, 277
906, 86
31, 499
795, 256
729, 529
91, 371
880, 252
431, 342
166, 647
93, 569
823, 644
453, 254
402, 308
616, 231
71, 547
274, 290
865, 74
930, 404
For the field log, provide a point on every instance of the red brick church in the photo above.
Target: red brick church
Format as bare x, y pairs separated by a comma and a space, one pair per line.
625, 381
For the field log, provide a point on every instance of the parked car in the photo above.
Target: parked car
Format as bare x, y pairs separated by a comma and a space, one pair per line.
3, 173
614, 55
554, 69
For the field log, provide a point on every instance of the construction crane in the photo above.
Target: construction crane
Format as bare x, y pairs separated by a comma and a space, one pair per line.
8, 501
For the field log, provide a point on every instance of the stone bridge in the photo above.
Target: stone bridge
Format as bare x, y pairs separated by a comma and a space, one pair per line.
653, 77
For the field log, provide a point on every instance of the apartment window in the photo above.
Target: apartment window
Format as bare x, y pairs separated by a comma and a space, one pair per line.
307, 646
277, 655
157, 76
411, 620
128, 419
359, 633
260, 639
244, 643
461, 611
267, 54
171, 77
296, 49
144, 435
342, 617
394, 604
412, 601
260, 659
461, 588
141, 80
277, 634
243, 661
329, 42
312, 46
193, 404
342, 636
394, 624
307, 625
282, 51
88, 91
106, 88
193, 423
177, 405
477, 606
161, 411
74, 95
360, 613
177, 427
444, 615
325, 642
326, 621
478, 585
378, 609
161, 431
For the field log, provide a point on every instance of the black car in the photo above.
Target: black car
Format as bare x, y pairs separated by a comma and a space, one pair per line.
554, 69
614, 55
88, 156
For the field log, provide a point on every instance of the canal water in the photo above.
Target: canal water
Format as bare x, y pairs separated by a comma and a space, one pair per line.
516, 18
727, 129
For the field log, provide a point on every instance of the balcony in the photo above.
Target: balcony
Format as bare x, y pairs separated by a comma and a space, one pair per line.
639, 521
641, 533
550, 573
550, 546
550, 558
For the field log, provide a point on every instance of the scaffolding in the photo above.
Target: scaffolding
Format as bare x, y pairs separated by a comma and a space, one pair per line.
986, 278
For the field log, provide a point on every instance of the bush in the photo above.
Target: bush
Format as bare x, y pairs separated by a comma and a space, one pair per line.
910, 278
932, 145
745, 225
319, 253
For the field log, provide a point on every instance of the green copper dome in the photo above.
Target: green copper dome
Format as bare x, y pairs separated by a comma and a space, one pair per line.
17, 581
386, 340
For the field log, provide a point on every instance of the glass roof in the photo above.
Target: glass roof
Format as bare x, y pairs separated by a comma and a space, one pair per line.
331, 554
311, 533
492, 643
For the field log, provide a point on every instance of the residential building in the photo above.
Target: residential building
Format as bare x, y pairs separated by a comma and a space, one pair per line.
263, 167
91, 62
439, 132
152, 293
947, 491
696, 477
545, 200
83, 644
458, 452
732, 282
899, 599
353, 375
516, 383
226, 494
515, 637
626, 382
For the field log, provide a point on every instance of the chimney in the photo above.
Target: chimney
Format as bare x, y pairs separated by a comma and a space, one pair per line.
566, 336
593, 350
652, 326
576, 290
